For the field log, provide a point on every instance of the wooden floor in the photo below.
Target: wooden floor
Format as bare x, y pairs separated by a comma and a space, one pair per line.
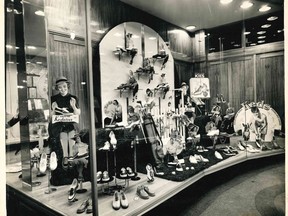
164, 189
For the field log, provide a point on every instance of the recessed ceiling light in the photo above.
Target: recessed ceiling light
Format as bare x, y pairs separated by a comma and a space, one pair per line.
253, 44
280, 30
261, 37
225, 1
265, 26
247, 33
264, 8
39, 62
261, 41
31, 47
191, 27
10, 62
39, 13
261, 32
246, 4
272, 18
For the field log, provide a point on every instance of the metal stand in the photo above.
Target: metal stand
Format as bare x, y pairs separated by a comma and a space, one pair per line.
135, 178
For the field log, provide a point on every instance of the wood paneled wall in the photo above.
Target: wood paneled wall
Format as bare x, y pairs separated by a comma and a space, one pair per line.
68, 58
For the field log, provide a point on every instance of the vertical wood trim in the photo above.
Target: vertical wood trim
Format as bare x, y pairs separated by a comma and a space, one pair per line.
254, 75
229, 68
90, 91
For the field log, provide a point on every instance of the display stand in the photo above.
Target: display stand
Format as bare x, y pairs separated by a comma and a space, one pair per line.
135, 177
49, 189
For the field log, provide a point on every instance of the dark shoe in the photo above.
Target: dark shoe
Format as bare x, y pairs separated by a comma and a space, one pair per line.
72, 191
130, 173
150, 193
65, 163
116, 201
89, 209
123, 200
83, 207
142, 193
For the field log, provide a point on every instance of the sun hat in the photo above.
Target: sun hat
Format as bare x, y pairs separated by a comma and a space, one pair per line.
61, 79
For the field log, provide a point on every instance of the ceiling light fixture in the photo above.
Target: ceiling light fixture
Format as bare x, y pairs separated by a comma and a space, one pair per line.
31, 47
261, 41
152, 38
253, 44
191, 27
261, 37
265, 26
261, 32
246, 4
225, 1
247, 33
39, 13
264, 8
272, 18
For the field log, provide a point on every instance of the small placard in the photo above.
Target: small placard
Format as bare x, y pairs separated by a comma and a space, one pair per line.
65, 118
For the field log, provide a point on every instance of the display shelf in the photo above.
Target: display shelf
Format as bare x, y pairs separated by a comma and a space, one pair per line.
164, 189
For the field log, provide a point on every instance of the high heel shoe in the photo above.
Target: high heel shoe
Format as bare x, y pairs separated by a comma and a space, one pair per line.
150, 173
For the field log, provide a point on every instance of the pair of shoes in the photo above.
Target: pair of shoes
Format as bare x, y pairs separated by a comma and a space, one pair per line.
120, 200
179, 167
72, 191
144, 192
43, 162
150, 173
53, 161
86, 205
126, 172
200, 158
218, 155
192, 159
251, 149
241, 146
104, 177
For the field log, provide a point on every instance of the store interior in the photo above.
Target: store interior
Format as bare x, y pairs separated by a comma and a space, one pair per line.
117, 107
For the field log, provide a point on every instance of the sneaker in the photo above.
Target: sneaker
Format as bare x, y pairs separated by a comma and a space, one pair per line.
142, 193
72, 191
123, 173
83, 207
123, 200
116, 201
105, 176
53, 161
192, 159
99, 176
150, 173
149, 192
130, 173
89, 209
43, 162
218, 155
179, 167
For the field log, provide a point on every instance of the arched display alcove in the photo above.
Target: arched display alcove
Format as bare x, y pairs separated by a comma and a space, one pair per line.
134, 53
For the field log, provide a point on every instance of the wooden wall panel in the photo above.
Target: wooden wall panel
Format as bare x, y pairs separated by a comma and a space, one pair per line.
69, 60
270, 81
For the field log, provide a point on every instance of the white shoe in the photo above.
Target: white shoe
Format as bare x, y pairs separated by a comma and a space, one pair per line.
113, 140
53, 161
106, 146
240, 146
218, 155
251, 149
192, 159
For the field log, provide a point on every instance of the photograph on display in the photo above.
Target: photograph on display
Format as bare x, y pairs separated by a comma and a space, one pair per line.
199, 88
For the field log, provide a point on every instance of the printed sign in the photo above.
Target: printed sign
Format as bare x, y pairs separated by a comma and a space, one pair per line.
65, 118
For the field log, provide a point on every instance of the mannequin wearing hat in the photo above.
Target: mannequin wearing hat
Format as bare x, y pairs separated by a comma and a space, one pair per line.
65, 103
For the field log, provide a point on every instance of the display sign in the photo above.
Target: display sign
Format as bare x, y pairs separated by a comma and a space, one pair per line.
199, 88
65, 118
267, 118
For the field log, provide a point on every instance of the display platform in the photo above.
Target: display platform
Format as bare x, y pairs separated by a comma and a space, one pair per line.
56, 203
